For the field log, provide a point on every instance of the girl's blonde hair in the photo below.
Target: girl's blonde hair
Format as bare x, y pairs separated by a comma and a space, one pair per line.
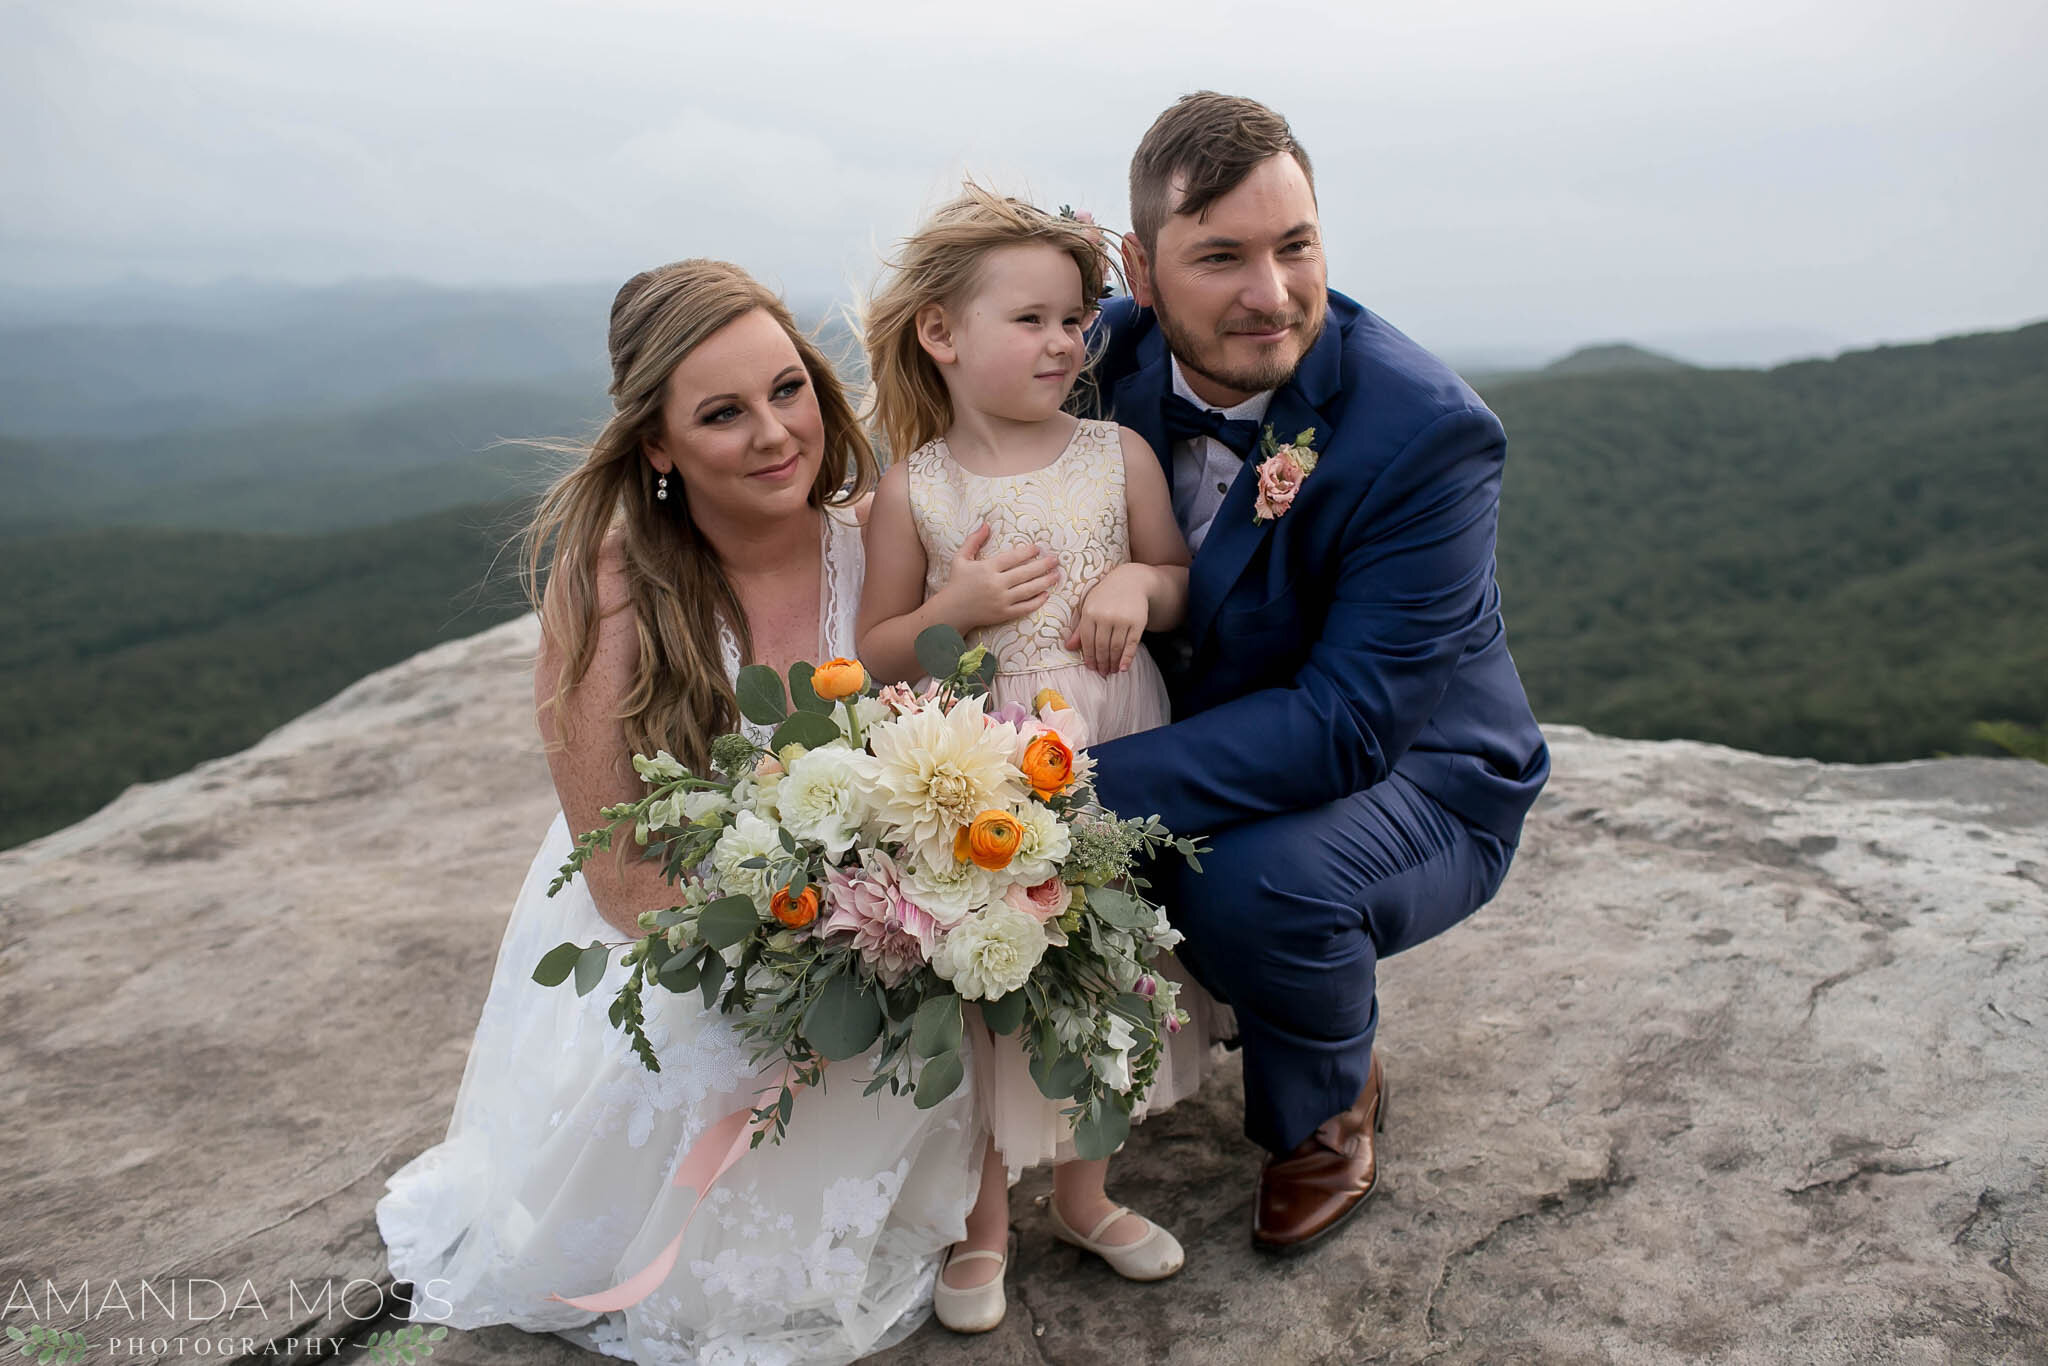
679, 699
941, 263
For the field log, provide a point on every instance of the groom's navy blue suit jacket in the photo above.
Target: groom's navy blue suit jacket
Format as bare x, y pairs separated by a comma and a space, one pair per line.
1357, 635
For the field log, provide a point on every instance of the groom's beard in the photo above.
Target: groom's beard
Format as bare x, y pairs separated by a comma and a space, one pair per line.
1204, 355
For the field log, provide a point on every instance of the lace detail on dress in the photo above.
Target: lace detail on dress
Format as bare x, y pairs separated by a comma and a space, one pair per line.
844, 556
555, 1175
1073, 507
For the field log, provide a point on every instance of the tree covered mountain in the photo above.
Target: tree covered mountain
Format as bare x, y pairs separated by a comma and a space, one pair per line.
1843, 559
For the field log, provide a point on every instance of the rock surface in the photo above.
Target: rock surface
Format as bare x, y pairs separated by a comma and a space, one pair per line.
1745, 1063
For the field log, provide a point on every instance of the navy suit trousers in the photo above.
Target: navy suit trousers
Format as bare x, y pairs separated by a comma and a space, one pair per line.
1288, 919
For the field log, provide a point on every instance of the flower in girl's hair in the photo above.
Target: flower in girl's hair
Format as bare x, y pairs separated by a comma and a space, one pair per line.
990, 842
837, 678
794, 912
1048, 763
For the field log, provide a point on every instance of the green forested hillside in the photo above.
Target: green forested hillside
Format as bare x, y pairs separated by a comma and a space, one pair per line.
1845, 559
129, 655
406, 457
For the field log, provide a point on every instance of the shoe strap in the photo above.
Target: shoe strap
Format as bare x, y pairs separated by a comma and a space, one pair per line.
1095, 1234
978, 1254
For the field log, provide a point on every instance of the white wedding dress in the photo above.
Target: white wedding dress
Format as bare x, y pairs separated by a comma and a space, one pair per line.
554, 1176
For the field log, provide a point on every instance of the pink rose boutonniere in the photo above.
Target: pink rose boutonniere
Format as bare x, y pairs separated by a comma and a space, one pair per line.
1281, 473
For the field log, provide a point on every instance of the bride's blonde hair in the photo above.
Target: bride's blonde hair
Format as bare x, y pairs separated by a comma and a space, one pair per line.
679, 699
941, 263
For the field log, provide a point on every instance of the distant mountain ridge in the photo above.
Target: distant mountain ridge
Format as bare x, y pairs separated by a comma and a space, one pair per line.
113, 362
1605, 357
1842, 559
1838, 559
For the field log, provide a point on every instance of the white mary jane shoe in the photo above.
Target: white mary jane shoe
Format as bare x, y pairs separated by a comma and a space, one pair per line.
977, 1308
1153, 1257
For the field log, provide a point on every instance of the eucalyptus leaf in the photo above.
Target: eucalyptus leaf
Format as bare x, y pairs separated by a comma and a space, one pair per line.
684, 970
714, 976
935, 1029
1120, 909
1100, 1132
844, 1021
1059, 1076
1005, 1013
939, 1079
759, 694
939, 649
801, 695
590, 966
658, 952
727, 921
558, 963
806, 728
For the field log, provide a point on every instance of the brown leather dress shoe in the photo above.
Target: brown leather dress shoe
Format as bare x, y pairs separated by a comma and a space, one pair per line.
1306, 1195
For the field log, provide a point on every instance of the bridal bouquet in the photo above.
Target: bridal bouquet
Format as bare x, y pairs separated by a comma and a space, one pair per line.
887, 856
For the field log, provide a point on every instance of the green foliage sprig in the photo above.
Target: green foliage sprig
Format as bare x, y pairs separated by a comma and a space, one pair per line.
407, 1344
55, 1346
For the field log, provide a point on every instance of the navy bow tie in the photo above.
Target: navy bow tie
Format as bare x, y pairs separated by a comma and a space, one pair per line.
1184, 421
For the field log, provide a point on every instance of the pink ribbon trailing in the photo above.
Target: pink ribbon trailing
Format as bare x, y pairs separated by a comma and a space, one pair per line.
709, 1159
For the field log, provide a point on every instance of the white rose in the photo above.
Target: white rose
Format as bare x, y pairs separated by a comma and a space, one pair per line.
1045, 845
990, 955
952, 890
820, 798
748, 837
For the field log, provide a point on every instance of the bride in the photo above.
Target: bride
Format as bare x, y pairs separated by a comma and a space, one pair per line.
712, 521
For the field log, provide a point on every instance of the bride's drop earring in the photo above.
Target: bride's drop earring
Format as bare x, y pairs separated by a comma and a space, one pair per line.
661, 489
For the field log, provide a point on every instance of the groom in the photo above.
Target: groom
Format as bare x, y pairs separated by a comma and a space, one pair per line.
1353, 739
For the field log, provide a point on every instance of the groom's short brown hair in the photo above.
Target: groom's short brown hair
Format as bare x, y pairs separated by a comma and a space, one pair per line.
1214, 141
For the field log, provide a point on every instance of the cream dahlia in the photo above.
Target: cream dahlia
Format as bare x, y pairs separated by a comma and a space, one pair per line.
935, 771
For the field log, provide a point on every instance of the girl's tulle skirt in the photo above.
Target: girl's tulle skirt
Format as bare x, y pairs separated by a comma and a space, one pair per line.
1029, 1129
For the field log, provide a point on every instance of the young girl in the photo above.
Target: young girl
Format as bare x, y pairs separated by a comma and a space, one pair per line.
1051, 540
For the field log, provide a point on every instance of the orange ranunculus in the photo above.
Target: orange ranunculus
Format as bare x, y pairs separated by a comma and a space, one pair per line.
1049, 697
991, 842
837, 678
1048, 763
794, 913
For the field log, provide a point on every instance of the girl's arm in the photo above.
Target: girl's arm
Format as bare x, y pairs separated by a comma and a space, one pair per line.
977, 593
1150, 593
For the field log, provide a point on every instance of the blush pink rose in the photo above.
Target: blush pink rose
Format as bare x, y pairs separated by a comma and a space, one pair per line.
1047, 901
1279, 479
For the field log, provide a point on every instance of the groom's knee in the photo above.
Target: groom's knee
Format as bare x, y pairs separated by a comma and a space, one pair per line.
1258, 923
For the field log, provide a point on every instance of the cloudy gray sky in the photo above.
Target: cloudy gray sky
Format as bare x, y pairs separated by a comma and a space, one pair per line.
1493, 173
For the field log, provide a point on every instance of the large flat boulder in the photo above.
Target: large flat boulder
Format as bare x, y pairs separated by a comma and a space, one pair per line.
1745, 1063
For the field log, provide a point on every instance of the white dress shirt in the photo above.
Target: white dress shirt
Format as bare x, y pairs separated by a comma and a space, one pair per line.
1204, 467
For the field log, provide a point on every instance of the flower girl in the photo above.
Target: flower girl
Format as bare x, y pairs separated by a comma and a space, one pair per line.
1052, 541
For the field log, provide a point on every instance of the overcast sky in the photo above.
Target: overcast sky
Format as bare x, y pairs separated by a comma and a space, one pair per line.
1492, 174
